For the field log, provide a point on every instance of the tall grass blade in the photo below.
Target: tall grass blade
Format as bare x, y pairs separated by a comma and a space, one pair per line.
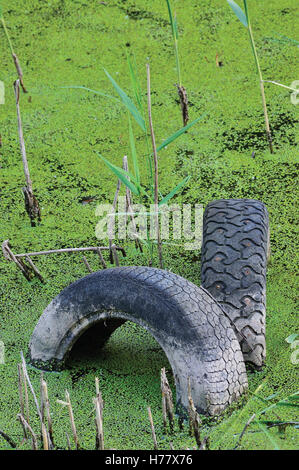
175, 26
174, 191
122, 175
135, 84
295, 396
238, 12
178, 133
172, 21
134, 154
288, 401
128, 103
175, 34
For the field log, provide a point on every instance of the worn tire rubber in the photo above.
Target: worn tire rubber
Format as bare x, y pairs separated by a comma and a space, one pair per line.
234, 260
185, 320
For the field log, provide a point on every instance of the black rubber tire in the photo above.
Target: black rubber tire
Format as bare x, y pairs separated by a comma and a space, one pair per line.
185, 320
235, 249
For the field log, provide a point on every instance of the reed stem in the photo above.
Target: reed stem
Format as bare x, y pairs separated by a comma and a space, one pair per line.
268, 130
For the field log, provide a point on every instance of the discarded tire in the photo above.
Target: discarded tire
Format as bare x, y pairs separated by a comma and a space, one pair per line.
188, 324
234, 260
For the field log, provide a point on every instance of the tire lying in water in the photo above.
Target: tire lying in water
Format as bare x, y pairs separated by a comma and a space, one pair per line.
191, 328
235, 250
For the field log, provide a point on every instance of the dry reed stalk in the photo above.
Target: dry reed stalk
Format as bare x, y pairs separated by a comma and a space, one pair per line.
19, 71
8, 254
164, 409
34, 268
46, 402
98, 402
30, 386
115, 255
68, 441
152, 428
99, 252
42, 405
97, 384
21, 399
28, 428
45, 437
31, 203
167, 399
194, 419
14, 55
205, 444
72, 420
87, 264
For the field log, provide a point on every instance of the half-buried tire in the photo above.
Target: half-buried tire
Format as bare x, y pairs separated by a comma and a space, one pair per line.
191, 328
234, 257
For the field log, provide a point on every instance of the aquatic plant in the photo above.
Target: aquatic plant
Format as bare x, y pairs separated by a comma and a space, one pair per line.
245, 20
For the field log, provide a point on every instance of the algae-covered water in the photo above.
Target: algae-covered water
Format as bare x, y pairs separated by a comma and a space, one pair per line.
64, 43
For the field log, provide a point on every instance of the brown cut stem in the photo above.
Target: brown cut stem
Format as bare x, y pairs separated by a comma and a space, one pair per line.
45, 437
34, 268
164, 408
19, 71
46, 403
9, 255
99, 420
167, 400
156, 186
